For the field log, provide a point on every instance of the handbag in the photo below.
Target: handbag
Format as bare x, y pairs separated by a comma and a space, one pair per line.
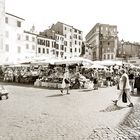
124, 97
67, 81
118, 87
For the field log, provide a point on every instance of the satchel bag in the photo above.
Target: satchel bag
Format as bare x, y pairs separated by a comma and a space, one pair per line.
124, 97
67, 81
118, 87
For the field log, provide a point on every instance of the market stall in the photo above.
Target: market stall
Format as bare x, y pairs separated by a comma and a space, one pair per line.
57, 67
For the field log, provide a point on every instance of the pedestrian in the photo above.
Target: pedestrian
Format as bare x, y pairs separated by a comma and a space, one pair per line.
137, 84
76, 84
124, 87
96, 78
131, 80
108, 75
65, 82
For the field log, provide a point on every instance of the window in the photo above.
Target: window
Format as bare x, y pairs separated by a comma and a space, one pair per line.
57, 53
108, 56
108, 43
104, 56
70, 37
18, 37
65, 36
75, 31
33, 47
62, 47
57, 46
65, 49
70, 44
33, 39
61, 38
47, 51
70, 30
79, 43
75, 49
65, 28
75, 42
43, 50
27, 37
79, 38
19, 49
79, 50
18, 24
112, 56
62, 54
57, 37
53, 52
75, 36
27, 46
70, 49
47, 43
7, 48
38, 41
79, 32
39, 50
52, 44
65, 43
6, 20
6, 34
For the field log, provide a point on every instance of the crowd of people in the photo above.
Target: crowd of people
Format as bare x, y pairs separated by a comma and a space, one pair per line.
77, 76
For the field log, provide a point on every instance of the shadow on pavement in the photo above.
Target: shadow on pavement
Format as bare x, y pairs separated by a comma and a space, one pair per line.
112, 108
85, 90
24, 85
56, 95
135, 95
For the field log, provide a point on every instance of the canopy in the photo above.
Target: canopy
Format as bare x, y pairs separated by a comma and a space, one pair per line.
108, 62
75, 60
95, 66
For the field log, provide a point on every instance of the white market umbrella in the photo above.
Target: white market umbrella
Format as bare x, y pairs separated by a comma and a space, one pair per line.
75, 60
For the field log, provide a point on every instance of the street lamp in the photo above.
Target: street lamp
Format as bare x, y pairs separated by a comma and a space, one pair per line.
122, 43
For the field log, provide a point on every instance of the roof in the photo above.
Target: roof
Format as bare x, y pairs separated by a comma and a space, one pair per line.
69, 26
14, 16
41, 36
30, 32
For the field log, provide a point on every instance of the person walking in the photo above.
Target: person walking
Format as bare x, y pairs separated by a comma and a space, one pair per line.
65, 82
131, 80
108, 75
96, 78
124, 87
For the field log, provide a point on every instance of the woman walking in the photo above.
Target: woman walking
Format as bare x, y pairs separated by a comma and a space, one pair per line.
124, 87
65, 82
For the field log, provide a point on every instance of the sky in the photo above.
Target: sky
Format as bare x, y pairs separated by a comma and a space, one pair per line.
81, 14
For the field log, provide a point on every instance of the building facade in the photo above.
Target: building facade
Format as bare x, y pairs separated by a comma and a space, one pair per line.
56, 43
30, 44
45, 47
60, 42
129, 51
13, 45
2, 25
103, 40
72, 39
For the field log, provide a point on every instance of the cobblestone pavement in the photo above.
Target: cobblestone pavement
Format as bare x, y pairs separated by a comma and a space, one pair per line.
41, 114
128, 129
